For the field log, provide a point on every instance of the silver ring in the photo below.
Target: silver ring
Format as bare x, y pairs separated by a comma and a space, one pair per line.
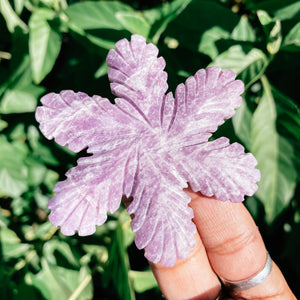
253, 281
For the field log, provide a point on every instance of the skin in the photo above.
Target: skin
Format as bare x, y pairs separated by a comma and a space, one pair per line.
228, 246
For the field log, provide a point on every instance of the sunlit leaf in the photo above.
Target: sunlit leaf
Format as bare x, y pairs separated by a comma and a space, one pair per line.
209, 38
19, 206
134, 23
11, 246
142, 280
264, 17
102, 70
118, 263
18, 94
249, 63
20, 99
287, 11
160, 17
13, 172
53, 280
36, 171
98, 21
198, 17
243, 31
96, 15
3, 124
274, 155
11, 18
280, 9
44, 43
55, 246
19, 5
293, 38
274, 38
242, 123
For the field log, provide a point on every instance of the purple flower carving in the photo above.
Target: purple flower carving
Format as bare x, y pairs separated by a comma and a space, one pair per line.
148, 145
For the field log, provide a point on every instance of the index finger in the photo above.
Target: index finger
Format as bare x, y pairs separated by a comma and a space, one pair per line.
234, 246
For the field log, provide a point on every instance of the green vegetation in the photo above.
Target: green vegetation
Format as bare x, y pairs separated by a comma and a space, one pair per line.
50, 45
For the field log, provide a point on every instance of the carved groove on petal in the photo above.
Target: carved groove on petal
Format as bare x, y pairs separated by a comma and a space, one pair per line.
137, 76
81, 121
162, 220
204, 101
225, 170
92, 188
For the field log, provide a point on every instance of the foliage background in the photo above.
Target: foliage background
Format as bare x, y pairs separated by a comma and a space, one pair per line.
50, 45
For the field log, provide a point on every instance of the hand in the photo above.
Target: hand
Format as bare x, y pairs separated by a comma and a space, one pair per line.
229, 246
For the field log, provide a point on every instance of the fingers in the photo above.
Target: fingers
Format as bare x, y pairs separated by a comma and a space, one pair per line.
235, 247
230, 236
192, 278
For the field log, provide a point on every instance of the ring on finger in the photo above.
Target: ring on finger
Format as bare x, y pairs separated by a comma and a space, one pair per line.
257, 279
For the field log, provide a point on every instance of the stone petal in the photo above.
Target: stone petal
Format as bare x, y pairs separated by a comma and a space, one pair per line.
137, 76
220, 169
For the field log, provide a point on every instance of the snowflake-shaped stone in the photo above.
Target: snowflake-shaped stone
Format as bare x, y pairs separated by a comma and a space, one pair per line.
148, 146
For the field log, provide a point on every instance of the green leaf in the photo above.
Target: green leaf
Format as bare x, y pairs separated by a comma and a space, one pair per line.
36, 171
274, 38
53, 280
287, 12
208, 41
247, 62
198, 17
280, 9
18, 94
292, 38
243, 31
51, 179
288, 115
96, 15
19, 5
11, 246
4, 220
40, 231
43, 199
3, 124
98, 251
275, 157
53, 246
142, 281
242, 123
41, 153
288, 122
13, 172
264, 17
44, 43
98, 21
160, 17
16, 75
20, 99
272, 29
11, 18
134, 23
20, 206
118, 263
102, 70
